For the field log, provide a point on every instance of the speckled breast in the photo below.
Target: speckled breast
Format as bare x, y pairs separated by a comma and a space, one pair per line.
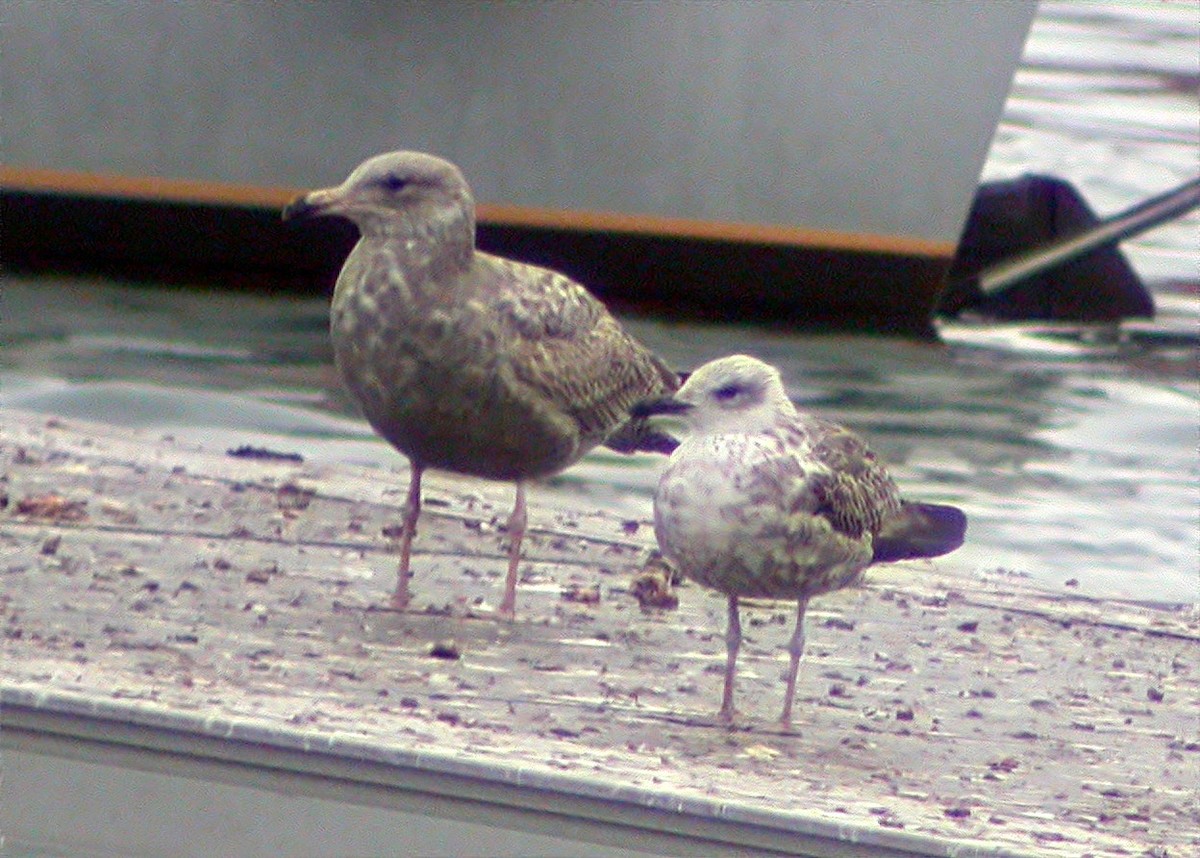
749, 540
430, 382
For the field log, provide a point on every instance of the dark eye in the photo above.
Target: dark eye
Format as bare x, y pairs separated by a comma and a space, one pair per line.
392, 182
726, 393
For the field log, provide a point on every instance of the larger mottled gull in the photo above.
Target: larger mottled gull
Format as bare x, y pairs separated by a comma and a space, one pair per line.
466, 361
762, 501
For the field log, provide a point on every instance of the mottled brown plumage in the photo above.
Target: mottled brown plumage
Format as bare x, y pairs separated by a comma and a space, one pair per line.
762, 501
466, 361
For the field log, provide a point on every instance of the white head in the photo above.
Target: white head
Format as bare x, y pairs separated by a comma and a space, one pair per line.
736, 394
394, 192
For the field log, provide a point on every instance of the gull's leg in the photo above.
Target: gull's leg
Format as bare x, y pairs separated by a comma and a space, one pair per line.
733, 642
796, 648
410, 511
516, 533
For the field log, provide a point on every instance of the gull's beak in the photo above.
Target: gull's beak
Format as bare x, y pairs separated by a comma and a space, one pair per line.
665, 405
313, 204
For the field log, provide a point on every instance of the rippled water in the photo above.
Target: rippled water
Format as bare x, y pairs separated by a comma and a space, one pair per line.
1073, 451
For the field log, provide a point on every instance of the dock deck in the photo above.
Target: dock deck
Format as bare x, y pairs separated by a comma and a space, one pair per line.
213, 622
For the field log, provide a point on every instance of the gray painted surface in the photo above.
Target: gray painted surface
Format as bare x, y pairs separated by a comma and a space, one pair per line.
70, 807
89, 808
862, 117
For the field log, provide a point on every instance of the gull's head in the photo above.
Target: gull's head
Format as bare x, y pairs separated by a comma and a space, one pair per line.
391, 192
733, 394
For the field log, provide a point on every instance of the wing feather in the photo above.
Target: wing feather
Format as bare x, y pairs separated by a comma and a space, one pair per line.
822, 469
568, 350
857, 495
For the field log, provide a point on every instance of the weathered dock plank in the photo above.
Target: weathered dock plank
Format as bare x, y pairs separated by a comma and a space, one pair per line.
938, 712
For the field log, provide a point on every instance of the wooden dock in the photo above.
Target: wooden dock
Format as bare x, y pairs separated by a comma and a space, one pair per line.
191, 613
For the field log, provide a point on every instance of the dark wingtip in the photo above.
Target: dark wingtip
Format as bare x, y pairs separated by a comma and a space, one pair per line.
920, 530
636, 436
655, 441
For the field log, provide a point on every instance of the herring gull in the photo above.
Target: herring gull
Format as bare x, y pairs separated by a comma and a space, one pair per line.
470, 362
762, 501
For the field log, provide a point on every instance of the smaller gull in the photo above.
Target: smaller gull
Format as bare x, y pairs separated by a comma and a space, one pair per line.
466, 361
763, 501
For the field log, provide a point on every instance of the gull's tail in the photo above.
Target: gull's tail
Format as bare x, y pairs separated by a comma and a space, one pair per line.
920, 530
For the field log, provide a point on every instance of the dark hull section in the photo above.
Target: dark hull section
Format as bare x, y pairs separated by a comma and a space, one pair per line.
247, 246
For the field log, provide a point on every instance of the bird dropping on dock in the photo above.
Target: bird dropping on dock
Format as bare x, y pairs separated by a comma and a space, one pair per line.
762, 501
470, 362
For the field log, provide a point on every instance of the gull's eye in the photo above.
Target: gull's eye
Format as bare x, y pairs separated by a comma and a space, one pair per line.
392, 182
726, 393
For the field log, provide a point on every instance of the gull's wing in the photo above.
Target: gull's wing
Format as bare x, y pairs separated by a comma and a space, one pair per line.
567, 349
860, 496
819, 469
856, 494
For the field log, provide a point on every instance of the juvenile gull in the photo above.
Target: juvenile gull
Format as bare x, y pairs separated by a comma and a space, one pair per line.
762, 501
466, 361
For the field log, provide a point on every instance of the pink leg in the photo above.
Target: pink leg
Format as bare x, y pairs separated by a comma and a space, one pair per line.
733, 642
796, 648
411, 511
516, 533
